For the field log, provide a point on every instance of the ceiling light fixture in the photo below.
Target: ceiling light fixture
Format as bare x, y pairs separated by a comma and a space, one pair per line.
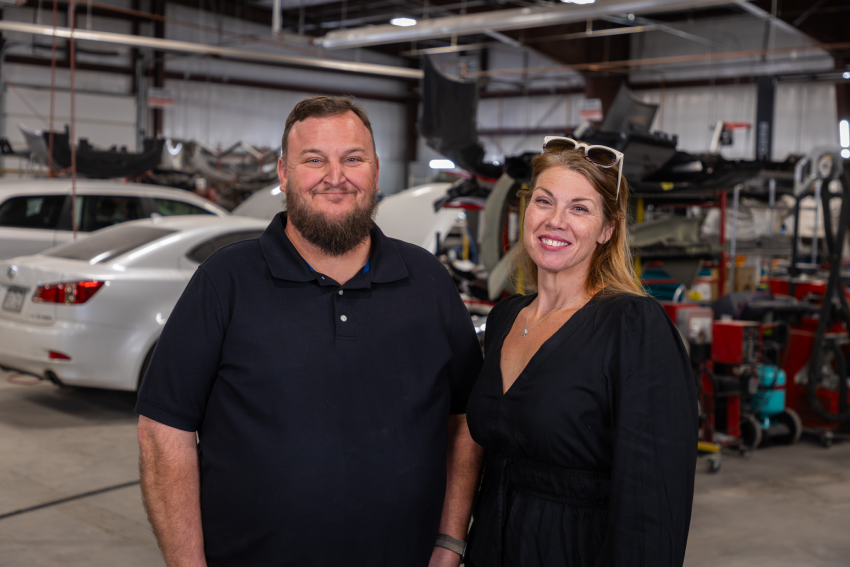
441, 164
578, 1
846, 75
403, 22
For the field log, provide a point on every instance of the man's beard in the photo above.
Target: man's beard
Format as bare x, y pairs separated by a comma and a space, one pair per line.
331, 237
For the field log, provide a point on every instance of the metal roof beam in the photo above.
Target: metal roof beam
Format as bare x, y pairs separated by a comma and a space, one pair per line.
502, 20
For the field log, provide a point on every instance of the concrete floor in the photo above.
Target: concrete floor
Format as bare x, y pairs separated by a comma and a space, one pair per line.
783, 506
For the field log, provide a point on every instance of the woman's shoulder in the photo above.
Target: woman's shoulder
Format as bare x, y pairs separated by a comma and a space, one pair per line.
513, 302
507, 309
635, 310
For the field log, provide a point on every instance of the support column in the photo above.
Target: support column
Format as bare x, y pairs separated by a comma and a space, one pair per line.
765, 99
158, 64
842, 92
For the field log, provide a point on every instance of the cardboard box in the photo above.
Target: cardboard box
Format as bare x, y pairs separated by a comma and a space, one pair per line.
746, 279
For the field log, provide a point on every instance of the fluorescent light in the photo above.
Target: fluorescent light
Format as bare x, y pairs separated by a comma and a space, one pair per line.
844, 133
441, 164
845, 153
846, 75
578, 1
403, 22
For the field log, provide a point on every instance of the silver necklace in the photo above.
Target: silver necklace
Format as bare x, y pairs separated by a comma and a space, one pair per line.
527, 328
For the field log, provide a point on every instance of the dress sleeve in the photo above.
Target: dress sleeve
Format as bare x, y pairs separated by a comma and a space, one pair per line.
186, 360
653, 404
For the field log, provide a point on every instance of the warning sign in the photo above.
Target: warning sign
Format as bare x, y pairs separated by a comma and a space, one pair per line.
160, 98
591, 110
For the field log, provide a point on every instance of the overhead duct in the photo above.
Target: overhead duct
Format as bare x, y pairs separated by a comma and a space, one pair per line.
448, 122
502, 20
223, 52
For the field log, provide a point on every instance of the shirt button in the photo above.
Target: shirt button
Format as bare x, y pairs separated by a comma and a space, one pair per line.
340, 292
343, 318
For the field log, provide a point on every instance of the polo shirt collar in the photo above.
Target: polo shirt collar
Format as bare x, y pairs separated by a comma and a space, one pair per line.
285, 263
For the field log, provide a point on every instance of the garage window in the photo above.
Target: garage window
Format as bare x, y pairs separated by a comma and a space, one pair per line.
205, 250
34, 211
169, 207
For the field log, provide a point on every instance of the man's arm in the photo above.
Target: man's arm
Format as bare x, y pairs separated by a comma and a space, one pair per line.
463, 470
171, 484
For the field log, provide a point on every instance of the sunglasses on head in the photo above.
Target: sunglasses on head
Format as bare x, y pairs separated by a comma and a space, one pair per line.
601, 156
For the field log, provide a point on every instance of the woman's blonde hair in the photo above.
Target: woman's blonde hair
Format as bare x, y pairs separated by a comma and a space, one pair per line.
611, 266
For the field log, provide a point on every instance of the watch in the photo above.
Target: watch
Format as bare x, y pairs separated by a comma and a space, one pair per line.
452, 544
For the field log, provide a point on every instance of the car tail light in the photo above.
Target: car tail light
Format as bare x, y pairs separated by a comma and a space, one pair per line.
54, 355
69, 293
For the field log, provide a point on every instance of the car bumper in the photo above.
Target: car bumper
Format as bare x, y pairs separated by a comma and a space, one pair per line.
93, 350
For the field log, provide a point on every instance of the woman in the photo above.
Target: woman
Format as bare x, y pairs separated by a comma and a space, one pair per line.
586, 403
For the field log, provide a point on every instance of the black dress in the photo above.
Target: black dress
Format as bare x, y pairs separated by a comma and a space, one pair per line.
591, 453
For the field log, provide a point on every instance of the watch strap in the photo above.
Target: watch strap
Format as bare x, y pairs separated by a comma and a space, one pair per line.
452, 544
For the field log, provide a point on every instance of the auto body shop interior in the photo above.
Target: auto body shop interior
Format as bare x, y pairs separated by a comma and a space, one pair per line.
140, 137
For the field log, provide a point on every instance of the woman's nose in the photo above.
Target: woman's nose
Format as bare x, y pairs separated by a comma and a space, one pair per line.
557, 219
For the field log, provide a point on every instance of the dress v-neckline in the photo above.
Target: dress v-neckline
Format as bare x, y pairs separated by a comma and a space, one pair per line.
537, 353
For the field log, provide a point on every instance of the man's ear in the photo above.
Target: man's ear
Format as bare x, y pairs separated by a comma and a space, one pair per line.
377, 172
281, 172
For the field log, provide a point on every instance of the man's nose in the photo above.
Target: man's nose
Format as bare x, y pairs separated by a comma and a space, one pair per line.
335, 175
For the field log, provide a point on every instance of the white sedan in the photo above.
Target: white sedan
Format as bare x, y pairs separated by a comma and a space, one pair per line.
88, 313
36, 214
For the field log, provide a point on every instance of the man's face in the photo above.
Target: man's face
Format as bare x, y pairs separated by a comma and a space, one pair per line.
331, 166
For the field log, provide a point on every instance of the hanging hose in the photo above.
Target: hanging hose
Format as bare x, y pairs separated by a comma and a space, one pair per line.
834, 288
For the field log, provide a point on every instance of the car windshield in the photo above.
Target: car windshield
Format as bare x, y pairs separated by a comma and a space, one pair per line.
106, 244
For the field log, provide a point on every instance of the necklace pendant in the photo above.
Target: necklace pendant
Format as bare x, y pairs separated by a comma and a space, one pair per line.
525, 332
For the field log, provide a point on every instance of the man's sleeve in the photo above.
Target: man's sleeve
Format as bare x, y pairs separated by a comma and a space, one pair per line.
186, 360
467, 358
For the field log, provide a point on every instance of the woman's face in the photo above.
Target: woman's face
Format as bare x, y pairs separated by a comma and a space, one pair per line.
564, 222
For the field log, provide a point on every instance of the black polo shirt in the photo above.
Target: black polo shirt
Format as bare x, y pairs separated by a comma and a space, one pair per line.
321, 409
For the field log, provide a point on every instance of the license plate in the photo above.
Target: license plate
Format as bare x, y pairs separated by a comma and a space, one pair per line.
14, 299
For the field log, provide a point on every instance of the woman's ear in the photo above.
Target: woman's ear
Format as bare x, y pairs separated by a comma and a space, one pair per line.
605, 236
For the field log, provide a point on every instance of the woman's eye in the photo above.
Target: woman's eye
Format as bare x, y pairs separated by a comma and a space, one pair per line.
543, 201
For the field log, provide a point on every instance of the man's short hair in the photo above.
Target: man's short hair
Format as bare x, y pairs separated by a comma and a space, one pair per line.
321, 107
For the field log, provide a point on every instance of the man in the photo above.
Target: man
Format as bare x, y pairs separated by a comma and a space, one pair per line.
325, 369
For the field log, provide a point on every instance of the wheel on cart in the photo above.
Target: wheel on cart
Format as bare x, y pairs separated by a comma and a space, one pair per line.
714, 462
791, 420
751, 433
826, 438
